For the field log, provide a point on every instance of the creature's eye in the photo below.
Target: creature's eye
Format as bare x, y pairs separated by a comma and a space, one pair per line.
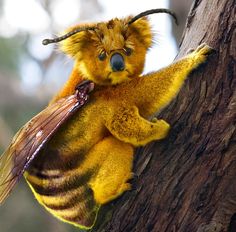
128, 51
102, 56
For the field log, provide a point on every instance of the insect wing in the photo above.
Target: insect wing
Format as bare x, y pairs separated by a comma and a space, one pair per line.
30, 139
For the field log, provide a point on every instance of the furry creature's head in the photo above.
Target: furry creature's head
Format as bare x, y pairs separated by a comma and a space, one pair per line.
109, 53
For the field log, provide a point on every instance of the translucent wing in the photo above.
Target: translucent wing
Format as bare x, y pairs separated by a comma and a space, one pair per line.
30, 139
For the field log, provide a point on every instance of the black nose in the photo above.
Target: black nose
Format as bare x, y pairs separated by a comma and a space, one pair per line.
117, 62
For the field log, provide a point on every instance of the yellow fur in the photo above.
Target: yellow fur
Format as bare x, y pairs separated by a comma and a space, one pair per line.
41, 201
115, 120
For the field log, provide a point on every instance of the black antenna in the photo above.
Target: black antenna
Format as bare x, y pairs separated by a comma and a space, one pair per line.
154, 11
58, 39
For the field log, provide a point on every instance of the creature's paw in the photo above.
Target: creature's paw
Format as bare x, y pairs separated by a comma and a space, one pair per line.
162, 128
201, 53
203, 50
125, 187
154, 119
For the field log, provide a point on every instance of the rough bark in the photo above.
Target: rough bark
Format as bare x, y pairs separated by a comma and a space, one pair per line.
187, 182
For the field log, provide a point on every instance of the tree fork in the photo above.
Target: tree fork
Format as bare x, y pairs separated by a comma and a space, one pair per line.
187, 182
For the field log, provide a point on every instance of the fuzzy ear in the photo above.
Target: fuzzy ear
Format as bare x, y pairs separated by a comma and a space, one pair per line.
143, 31
72, 45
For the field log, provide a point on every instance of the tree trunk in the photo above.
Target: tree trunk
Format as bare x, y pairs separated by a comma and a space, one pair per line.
187, 182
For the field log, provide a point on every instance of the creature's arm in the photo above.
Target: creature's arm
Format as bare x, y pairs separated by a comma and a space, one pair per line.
127, 125
159, 88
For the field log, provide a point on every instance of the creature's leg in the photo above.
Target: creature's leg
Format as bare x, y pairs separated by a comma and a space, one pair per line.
166, 83
112, 160
127, 125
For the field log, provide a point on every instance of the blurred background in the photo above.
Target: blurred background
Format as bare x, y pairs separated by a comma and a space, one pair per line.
30, 74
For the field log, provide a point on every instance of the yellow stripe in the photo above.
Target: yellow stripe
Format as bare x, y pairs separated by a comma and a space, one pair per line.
55, 172
39, 199
72, 212
62, 200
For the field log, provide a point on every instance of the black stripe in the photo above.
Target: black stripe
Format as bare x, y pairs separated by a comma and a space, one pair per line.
74, 200
71, 183
85, 220
50, 160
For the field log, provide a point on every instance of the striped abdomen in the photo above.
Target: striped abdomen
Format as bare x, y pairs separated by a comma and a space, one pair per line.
64, 193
